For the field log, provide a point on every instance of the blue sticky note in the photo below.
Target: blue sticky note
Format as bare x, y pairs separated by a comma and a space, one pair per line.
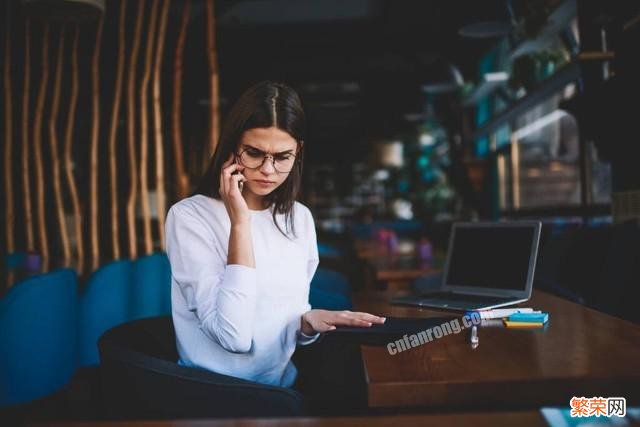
529, 317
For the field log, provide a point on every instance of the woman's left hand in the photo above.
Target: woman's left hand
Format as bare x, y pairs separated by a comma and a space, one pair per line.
324, 320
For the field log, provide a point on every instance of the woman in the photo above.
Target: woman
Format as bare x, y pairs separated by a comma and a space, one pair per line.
243, 251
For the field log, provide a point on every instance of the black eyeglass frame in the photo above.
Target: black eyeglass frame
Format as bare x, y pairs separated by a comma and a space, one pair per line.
264, 158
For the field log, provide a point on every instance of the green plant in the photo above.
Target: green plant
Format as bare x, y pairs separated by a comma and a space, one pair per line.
529, 70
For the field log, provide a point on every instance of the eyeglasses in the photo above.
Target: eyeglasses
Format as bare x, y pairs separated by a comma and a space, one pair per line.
254, 159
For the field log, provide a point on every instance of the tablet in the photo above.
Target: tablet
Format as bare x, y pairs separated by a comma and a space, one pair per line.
392, 329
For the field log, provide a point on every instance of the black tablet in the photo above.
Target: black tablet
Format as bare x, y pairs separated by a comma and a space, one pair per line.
393, 328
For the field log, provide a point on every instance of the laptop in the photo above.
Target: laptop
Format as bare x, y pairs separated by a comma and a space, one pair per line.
488, 265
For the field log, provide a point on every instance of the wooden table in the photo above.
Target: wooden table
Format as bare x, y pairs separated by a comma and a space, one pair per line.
395, 273
582, 352
367, 249
476, 419
370, 248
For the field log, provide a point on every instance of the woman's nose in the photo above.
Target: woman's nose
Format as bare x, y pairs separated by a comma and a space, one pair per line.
267, 166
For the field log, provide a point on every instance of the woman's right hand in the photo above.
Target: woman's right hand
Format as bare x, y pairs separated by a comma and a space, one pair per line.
317, 320
230, 193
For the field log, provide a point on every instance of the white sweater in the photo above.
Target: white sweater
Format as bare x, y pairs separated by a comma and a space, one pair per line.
233, 319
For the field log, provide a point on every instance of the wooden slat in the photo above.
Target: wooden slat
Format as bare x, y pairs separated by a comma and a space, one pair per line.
93, 159
131, 134
26, 173
144, 136
43, 245
8, 140
176, 124
68, 153
214, 97
157, 123
113, 134
55, 158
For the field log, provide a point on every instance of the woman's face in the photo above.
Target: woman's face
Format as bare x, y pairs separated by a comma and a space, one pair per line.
258, 142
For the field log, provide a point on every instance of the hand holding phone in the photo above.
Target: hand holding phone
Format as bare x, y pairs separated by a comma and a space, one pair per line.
232, 197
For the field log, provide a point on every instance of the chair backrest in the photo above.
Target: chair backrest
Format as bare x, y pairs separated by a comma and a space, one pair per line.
331, 281
141, 380
15, 260
151, 286
326, 250
330, 290
319, 299
119, 292
38, 320
104, 303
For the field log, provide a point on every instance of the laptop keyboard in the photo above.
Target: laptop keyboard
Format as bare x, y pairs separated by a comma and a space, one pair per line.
453, 301
447, 296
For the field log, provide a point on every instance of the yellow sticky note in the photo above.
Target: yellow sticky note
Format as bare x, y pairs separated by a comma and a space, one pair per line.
523, 325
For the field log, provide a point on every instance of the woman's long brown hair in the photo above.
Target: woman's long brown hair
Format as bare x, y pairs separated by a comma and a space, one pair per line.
266, 104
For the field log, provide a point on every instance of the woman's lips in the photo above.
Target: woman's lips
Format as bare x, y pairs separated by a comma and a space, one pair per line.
264, 183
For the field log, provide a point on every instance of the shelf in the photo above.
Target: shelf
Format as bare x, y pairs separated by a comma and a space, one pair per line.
565, 75
490, 82
596, 209
596, 56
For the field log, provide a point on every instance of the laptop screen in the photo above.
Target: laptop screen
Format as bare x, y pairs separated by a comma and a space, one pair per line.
494, 256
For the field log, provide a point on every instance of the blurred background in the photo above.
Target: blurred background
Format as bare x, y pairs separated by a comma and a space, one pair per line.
418, 110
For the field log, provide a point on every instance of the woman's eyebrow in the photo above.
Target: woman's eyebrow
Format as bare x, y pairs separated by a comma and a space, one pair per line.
262, 151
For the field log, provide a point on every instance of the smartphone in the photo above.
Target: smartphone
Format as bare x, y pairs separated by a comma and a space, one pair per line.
240, 183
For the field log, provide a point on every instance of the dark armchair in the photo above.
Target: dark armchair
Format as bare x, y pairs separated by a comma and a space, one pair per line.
141, 379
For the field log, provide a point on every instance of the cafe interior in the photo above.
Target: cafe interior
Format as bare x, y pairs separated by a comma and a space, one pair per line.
426, 120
